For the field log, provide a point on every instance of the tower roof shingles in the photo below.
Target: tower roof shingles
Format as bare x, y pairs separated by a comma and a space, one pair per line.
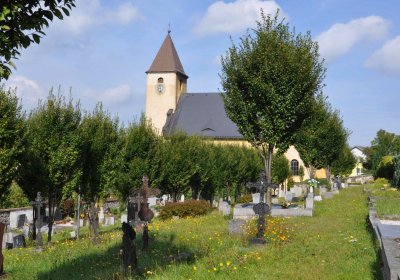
167, 59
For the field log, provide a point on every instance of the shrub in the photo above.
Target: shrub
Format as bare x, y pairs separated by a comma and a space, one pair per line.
247, 198
187, 208
385, 168
381, 182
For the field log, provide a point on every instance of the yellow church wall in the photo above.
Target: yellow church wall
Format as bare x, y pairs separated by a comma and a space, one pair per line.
358, 166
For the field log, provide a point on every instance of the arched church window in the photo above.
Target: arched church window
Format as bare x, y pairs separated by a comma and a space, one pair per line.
160, 85
294, 166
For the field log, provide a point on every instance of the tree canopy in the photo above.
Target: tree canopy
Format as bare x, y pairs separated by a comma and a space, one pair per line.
22, 22
270, 79
12, 128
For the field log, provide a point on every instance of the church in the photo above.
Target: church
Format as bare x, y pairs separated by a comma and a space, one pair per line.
171, 108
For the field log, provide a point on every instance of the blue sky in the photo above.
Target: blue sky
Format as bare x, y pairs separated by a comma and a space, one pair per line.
102, 51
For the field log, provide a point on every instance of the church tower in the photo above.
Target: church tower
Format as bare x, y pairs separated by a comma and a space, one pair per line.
166, 82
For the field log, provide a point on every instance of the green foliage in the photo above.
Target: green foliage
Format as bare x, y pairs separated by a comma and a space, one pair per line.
270, 80
280, 168
385, 168
322, 137
12, 126
290, 183
99, 135
15, 198
247, 198
384, 144
381, 182
134, 157
188, 208
396, 174
344, 163
301, 173
22, 22
51, 161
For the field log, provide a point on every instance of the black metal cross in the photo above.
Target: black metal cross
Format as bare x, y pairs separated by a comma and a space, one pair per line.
261, 209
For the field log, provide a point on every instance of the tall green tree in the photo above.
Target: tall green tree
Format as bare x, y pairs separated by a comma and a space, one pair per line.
344, 163
138, 145
384, 144
321, 138
51, 162
99, 135
22, 22
280, 168
270, 80
12, 126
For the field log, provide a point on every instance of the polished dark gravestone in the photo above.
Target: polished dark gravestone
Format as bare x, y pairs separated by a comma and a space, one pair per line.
129, 259
37, 205
261, 209
19, 241
94, 223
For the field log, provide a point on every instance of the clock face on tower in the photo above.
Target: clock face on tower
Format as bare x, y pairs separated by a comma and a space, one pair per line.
160, 88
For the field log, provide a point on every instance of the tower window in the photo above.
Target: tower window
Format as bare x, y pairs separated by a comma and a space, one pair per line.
294, 166
160, 80
160, 86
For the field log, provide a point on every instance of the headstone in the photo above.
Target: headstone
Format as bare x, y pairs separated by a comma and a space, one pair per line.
109, 221
236, 226
101, 215
322, 190
310, 201
182, 198
296, 191
225, 208
19, 241
289, 197
124, 218
129, 259
256, 197
243, 211
73, 234
317, 198
152, 201
21, 220
275, 201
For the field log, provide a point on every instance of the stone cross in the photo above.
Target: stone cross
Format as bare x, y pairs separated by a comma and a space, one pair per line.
261, 209
37, 205
94, 223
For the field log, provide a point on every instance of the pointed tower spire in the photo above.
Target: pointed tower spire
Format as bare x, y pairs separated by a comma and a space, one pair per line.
167, 59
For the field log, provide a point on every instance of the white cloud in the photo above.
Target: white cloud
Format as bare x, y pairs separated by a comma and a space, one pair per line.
112, 96
234, 17
90, 13
341, 37
387, 58
28, 91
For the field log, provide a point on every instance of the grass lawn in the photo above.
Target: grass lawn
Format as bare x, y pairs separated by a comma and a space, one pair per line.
388, 202
334, 244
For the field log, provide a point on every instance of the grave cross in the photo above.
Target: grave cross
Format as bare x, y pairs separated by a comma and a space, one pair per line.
261, 209
37, 205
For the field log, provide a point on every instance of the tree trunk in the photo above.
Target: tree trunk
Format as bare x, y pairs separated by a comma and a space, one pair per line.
269, 173
312, 172
2, 226
328, 175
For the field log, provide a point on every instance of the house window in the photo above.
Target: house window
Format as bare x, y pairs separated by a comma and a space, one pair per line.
294, 166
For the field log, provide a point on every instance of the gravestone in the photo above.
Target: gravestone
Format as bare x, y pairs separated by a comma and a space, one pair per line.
310, 201
19, 241
256, 197
129, 259
297, 191
289, 197
224, 207
4, 220
275, 201
94, 223
236, 226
